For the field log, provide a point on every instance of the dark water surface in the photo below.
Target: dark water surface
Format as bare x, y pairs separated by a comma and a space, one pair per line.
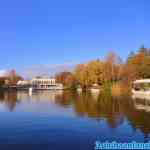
69, 121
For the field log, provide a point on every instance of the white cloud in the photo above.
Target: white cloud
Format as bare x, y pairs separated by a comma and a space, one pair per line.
3, 73
46, 69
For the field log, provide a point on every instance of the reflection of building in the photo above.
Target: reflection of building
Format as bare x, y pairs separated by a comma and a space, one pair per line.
138, 113
142, 104
43, 96
141, 95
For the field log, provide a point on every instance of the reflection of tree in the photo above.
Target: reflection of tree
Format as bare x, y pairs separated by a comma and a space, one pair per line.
138, 119
85, 105
65, 99
105, 107
9, 99
113, 110
38, 96
1, 96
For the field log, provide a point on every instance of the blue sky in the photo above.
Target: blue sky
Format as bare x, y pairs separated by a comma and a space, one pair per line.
39, 32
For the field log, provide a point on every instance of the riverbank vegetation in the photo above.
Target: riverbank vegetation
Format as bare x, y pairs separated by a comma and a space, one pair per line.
110, 72
9, 79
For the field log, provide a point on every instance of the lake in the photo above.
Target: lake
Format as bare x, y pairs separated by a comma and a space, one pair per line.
56, 120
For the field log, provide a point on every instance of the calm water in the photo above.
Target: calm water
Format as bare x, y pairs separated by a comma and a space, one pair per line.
69, 121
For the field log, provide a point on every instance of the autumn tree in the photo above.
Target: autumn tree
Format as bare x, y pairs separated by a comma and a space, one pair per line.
89, 73
144, 50
128, 73
2, 81
66, 78
141, 63
95, 72
112, 65
13, 77
82, 75
109, 71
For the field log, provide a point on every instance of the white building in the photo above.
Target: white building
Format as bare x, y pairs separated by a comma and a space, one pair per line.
45, 83
23, 82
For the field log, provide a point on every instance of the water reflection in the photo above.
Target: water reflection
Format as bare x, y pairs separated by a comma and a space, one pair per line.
142, 104
9, 99
115, 111
38, 96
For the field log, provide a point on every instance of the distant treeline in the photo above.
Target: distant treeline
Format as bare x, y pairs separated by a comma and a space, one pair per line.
99, 72
10, 78
108, 71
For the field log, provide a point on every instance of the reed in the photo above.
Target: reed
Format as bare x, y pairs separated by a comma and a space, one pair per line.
120, 89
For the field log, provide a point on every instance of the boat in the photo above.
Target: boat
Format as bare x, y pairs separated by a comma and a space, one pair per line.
95, 88
79, 89
141, 89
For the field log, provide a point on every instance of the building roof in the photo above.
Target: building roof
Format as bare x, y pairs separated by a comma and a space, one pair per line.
23, 82
142, 81
43, 79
